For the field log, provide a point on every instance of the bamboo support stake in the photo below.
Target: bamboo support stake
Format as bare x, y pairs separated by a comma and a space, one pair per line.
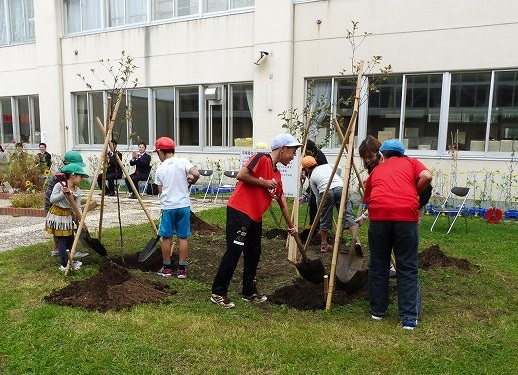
92, 187
103, 178
133, 187
345, 190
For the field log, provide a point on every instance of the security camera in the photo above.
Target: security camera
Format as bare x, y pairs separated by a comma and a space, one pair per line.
262, 56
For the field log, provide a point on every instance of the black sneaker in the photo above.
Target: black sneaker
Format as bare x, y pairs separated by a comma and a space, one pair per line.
222, 301
255, 298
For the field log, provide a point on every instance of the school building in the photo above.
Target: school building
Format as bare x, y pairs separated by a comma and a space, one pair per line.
215, 74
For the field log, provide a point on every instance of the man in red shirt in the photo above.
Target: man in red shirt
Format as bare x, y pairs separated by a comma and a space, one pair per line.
259, 181
391, 193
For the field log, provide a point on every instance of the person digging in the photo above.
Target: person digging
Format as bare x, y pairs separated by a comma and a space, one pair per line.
319, 176
259, 181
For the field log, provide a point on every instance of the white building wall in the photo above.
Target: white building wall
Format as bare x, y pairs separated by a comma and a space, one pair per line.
412, 36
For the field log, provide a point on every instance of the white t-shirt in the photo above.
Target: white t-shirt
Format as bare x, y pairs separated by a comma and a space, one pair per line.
320, 177
172, 175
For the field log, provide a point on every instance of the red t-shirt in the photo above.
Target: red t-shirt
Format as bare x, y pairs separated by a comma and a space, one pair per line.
391, 190
254, 200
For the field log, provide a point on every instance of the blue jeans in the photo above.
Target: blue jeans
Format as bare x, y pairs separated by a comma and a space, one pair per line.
403, 237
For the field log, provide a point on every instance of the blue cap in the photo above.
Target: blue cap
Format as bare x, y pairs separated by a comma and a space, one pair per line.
393, 145
285, 139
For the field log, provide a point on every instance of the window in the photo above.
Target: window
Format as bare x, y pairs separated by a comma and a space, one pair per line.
82, 15
320, 100
241, 110
145, 114
16, 21
504, 113
20, 119
469, 102
385, 109
6, 119
138, 120
210, 6
124, 12
188, 116
164, 112
88, 107
422, 110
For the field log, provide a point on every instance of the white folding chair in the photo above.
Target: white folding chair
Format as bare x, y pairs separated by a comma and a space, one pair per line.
226, 187
451, 206
203, 184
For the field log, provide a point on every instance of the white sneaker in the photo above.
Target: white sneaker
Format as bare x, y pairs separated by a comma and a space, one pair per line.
54, 253
79, 254
75, 264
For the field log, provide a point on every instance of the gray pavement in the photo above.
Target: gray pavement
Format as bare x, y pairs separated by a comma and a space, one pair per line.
25, 230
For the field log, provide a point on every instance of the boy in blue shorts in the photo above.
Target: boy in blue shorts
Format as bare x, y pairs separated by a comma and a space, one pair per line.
173, 177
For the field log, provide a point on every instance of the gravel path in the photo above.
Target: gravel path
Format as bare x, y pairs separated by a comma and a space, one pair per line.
25, 230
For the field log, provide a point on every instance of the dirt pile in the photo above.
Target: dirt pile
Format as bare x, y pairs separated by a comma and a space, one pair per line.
433, 257
113, 288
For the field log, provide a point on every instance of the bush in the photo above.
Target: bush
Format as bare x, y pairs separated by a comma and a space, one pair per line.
28, 200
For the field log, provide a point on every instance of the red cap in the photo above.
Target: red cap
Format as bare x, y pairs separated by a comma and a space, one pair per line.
164, 143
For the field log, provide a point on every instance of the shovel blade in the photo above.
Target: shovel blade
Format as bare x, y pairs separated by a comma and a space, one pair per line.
149, 249
311, 270
347, 265
93, 243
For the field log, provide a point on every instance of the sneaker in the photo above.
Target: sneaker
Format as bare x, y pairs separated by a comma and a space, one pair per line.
255, 298
79, 255
376, 317
164, 272
409, 324
222, 301
181, 274
325, 247
54, 253
75, 265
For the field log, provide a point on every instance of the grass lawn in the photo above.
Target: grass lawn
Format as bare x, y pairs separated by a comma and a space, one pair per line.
469, 322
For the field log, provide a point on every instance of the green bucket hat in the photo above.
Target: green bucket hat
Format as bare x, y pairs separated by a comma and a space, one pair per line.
74, 157
73, 168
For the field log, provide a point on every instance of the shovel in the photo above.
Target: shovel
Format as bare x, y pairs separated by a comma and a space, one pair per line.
92, 243
310, 269
152, 245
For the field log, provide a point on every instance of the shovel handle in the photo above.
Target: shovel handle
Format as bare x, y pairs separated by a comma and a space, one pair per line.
300, 246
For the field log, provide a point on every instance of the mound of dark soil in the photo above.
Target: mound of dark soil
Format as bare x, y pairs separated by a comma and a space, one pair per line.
433, 257
113, 288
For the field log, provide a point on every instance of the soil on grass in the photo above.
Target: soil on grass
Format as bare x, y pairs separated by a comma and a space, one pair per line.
118, 285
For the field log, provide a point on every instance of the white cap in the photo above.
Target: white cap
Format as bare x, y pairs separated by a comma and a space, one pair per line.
285, 139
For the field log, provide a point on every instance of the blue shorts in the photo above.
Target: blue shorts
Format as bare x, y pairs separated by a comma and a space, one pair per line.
177, 220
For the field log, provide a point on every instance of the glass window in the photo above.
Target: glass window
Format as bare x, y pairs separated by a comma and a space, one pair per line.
82, 15
164, 112
319, 96
385, 109
210, 6
241, 3
6, 120
88, 108
188, 116
163, 9
504, 113
3, 24
469, 101
123, 12
24, 119
344, 108
215, 131
422, 108
187, 7
139, 118
242, 99
120, 127
19, 18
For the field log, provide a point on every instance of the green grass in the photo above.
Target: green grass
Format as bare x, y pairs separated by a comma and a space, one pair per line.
468, 326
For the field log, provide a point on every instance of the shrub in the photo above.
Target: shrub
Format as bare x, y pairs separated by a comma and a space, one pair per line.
28, 200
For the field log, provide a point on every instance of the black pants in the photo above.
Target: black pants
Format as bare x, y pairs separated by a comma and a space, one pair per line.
136, 178
110, 178
243, 236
